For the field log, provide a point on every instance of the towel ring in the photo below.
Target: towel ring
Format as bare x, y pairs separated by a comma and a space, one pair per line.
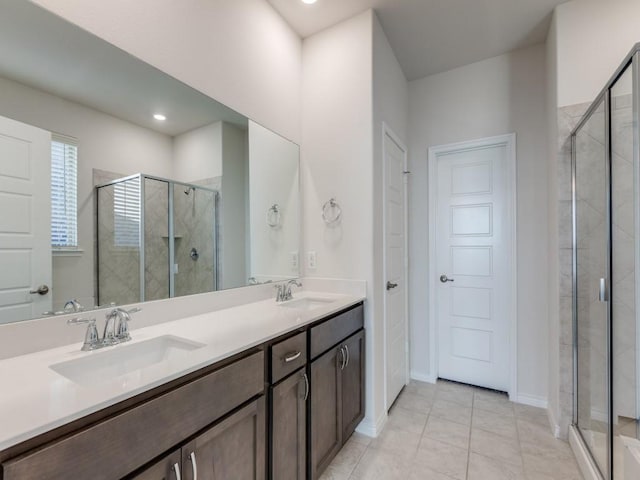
273, 216
331, 212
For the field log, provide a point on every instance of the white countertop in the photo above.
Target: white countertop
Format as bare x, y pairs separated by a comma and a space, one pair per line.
35, 399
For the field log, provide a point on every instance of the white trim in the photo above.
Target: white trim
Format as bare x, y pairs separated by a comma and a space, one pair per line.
510, 141
423, 377
532, 400
585, 462
553, 423
387, 132
372, 429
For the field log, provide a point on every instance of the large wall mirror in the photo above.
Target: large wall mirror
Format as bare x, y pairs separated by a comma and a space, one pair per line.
120, 184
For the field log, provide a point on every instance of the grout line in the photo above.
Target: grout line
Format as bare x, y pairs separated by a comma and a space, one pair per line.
473, 401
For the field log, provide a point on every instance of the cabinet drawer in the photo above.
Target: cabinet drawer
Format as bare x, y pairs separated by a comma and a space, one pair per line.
329, 333
288, 355
133, 438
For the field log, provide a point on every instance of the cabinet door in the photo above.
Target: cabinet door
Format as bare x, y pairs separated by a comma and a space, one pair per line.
168, 468
326, 410
232, 449
289, 428
353, 384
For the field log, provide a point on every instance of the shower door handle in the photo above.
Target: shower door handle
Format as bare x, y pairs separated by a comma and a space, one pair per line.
602, 294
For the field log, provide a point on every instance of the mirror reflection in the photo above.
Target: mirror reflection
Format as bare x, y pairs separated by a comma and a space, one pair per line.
119, 184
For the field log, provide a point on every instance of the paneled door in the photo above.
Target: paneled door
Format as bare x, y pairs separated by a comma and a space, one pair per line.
473, 254
395, 267
25, 221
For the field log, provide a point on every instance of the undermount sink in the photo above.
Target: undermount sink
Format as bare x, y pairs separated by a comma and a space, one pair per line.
307, 303
118, 361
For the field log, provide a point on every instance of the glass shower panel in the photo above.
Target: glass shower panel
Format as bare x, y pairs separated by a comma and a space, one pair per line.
194, 219
591, 217
623, 261
156, 239
118, 231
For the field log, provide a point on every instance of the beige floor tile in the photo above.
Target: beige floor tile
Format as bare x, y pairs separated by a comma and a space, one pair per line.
493, 402
443, 458
446, 431
531, 414
348, 457
460, 397
494, 446
563, 469
331, 473
381, 465
452, 412
420, 472
406, 420
495, 423
454, 386
421, 388
485, 468
360, 438
414, 402
400, 443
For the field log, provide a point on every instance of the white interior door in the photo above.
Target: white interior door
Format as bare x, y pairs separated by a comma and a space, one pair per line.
395, 268
473, 261
25, 213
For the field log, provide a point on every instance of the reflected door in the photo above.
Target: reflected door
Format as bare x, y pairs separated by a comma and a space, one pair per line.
25, 221
592, 278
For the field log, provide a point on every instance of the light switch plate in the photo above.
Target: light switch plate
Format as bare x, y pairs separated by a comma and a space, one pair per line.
294, 260
312, 261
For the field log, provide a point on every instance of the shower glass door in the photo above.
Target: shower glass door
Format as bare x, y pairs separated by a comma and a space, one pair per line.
591, 277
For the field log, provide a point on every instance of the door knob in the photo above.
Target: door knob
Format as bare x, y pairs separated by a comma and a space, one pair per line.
41, 290
444, 279
391, 285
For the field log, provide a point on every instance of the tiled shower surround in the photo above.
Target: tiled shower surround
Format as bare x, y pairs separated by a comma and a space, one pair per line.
194, 228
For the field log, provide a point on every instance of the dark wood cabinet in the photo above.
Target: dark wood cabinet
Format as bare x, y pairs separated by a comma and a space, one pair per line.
167, 468
337, 400
353, 384
326, 410
289, 427
234, 448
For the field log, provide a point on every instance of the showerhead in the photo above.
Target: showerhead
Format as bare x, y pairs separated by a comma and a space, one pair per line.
188, 190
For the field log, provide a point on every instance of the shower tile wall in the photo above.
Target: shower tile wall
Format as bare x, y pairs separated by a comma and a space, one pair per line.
194, 220
156, 239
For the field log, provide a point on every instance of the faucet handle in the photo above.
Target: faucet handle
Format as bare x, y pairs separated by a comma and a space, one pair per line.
91, 338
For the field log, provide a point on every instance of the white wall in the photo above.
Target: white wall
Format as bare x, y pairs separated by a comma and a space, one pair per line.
496, 96
274, 179
239, 52
552, 212
391, 106
593, 37
336, 161
197, 154
136, 150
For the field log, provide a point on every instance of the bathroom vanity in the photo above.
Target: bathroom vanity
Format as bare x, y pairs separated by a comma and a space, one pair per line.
279, 404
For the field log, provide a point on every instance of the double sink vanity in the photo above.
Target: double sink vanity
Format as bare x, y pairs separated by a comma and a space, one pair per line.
260, 390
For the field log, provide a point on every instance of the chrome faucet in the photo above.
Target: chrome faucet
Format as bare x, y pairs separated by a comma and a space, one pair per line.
116, 329
284, 290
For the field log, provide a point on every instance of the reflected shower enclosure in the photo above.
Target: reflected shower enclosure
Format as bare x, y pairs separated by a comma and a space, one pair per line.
155, 239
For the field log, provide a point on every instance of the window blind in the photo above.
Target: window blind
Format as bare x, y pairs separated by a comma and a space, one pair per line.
64, 193
126, 212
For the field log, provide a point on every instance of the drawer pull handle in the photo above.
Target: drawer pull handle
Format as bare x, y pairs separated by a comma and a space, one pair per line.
344, 358
346, 349
176, 470
194, 465
306, 387
290, 357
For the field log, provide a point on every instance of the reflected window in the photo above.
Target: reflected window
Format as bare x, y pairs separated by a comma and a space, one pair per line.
126, 210
64, 193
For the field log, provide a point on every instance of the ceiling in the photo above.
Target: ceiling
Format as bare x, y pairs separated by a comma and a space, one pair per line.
43, 51
433, 36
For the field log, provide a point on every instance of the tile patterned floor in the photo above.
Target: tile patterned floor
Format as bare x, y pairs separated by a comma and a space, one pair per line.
450, 431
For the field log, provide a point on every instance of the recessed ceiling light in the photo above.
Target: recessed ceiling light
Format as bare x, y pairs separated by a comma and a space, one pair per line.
309, 2
159, 116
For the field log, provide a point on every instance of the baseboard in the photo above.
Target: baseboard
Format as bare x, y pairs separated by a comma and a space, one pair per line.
585, 462
532, 400
372, 429
423, 377
553, 423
